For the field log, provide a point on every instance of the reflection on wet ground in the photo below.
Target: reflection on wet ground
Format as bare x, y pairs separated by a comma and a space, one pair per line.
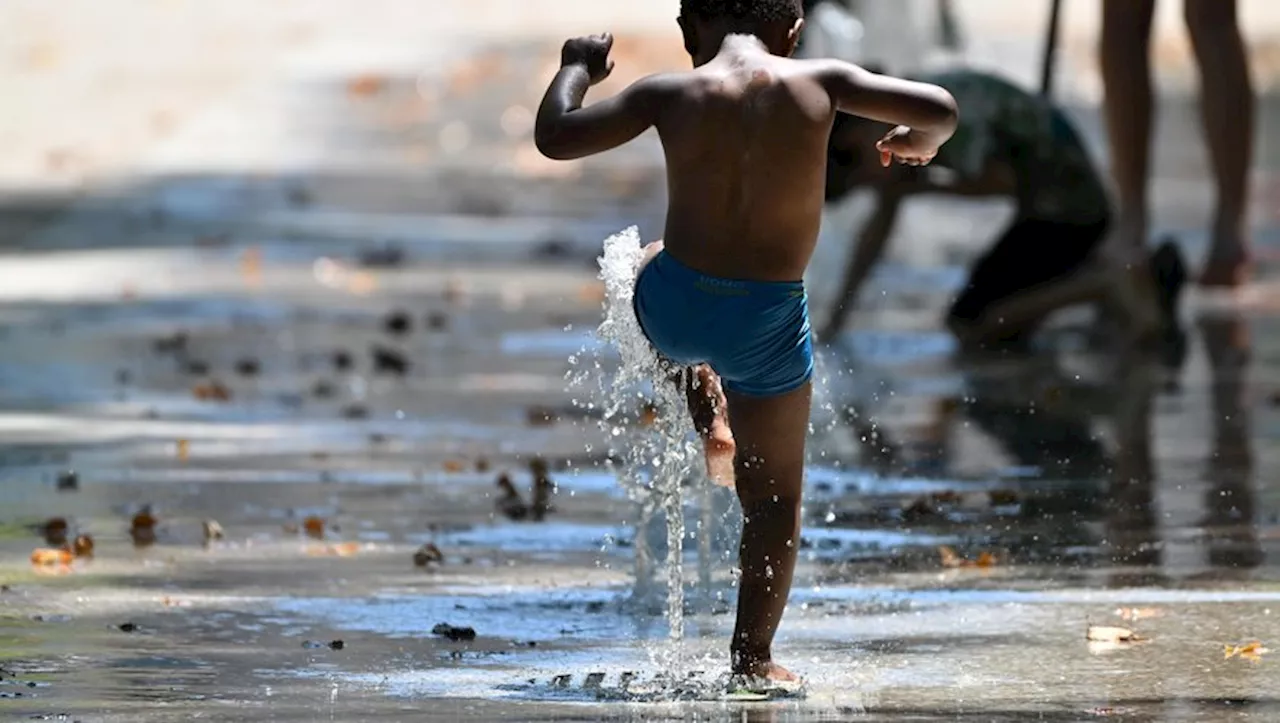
337, 407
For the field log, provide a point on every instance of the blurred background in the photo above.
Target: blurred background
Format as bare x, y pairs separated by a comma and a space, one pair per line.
296, 267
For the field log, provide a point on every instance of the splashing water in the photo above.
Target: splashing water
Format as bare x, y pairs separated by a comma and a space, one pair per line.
652, 463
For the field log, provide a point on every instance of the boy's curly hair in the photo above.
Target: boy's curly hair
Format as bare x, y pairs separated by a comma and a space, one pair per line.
743, 10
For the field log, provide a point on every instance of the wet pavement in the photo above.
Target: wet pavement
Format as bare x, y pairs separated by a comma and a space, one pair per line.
336, 360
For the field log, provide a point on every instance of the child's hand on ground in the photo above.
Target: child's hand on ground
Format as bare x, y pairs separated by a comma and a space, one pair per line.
909, 146
592, 53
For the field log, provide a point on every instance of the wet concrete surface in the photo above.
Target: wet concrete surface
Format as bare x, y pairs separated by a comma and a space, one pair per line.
1103, 490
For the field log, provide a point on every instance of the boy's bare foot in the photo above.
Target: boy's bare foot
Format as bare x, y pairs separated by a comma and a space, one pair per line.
769, 671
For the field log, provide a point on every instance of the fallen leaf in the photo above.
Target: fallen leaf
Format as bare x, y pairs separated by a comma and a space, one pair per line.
428, 555
55, 531
389, 361
950, 558
128, 627
1250, 651
51, 557
248, 367
184, 450
985, 560
345, 549
251, 264
364, 86
143, 527
211, 391
1110, 634
314, 527
482, 464
454, 465
82, 546
648, 415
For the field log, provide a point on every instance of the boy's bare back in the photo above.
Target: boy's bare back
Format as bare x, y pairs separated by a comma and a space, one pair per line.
745, 136
745, 139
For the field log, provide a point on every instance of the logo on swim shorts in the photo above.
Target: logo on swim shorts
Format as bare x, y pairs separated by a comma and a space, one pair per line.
723, 287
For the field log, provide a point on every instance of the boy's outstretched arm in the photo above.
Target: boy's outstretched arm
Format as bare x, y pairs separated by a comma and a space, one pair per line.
926, 115
565, 130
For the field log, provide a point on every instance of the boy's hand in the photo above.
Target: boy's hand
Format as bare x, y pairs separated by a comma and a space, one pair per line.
592, 53
909, 146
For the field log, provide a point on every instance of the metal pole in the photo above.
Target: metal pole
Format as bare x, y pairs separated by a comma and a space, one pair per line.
1050, 50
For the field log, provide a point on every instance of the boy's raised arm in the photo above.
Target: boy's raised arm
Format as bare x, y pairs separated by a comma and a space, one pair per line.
565, 130
926, 114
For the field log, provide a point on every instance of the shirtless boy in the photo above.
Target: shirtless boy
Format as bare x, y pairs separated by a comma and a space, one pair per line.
745, 138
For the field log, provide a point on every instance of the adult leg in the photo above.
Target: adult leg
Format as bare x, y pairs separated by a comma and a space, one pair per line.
1126, 77
771, 433
1227, 107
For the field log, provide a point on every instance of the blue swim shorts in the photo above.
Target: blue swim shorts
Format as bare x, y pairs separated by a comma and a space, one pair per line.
754, 334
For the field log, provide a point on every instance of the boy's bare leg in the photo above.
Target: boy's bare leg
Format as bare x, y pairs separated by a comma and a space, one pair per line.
1226, 104
707, 407
1126, 76
771, 434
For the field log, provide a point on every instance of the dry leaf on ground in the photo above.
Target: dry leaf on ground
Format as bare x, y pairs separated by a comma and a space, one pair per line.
952, 559
1250, 651
314, 527
51, 557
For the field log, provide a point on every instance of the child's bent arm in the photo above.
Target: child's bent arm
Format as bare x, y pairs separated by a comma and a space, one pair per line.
565, 130
924, 107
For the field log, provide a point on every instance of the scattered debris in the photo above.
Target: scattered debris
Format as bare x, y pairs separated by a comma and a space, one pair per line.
322, 389
68, 481
183, 450
1250, 651
428, 555
355, 411
1110, 634
454, 633
212, 531
196, 367
212, 391
143, 527
1004, 498
1132, 614
320, 645
248, 367
511, 504
55, 531
398, 323
541, 416
128, 627
952, 559
389, 361
82, 546
314, 527
453, 466
648, 414
172, 344
387, 256
552, 249
342, 361
482, 464
437, 321
543, 488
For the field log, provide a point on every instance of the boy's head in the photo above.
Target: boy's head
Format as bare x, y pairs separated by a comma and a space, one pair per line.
705, 23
